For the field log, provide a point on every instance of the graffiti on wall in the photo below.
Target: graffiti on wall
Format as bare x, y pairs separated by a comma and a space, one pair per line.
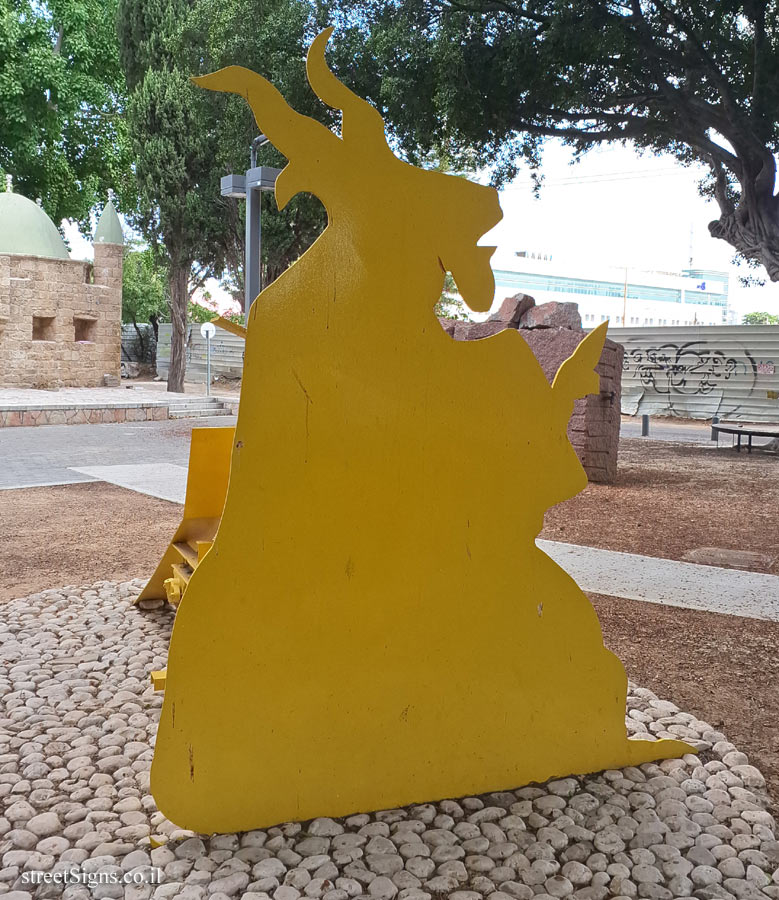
691, 368
730, 372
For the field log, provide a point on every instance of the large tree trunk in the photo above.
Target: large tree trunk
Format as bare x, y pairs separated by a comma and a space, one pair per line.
178, 281
754, 232
752, 226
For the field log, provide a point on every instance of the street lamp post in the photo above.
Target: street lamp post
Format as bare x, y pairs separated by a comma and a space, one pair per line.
250, 186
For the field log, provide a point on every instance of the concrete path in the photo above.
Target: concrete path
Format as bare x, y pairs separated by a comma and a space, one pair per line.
667, 430
129, 392
55, 454
683, 432
162, 480
753, 595
152, 458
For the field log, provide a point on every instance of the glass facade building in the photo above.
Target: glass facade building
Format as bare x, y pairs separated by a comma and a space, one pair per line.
691, 297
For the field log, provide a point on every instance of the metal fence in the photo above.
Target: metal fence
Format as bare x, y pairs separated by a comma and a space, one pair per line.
139, 348
693, 372
697, 372
226, 353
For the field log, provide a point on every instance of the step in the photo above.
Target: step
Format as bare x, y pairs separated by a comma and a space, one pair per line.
197, 406
198, 413
186, 552
183, 570
182, 407
200, 401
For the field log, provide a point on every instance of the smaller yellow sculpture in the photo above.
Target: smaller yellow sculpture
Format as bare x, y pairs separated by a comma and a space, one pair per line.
374, 624
207, 476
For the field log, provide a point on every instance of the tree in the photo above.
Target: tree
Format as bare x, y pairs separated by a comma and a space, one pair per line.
216, 35
760, 318
450, 304
696, 80
174, 156
63, 136
144, 290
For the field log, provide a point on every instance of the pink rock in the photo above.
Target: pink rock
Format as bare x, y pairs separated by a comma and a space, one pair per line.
474, 331
448, 325
552, 314
512, 309
551, 346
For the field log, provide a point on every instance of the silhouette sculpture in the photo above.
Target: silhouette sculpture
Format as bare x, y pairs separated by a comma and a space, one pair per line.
374, 624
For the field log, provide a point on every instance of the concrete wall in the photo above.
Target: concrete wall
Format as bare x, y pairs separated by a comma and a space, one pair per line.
78, 310
696, 372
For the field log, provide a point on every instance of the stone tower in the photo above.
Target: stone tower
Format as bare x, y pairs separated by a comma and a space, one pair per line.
60, 318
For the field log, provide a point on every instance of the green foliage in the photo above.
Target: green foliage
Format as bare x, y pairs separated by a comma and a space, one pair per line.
62, 130
199, 314
760, 318
270, 38
697, 80
174, 156
450, 305
144, 288
173, 159
204, 310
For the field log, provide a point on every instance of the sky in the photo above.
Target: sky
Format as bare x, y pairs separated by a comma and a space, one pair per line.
614, 207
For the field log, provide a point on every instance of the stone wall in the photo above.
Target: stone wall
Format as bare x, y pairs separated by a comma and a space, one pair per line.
60, 319
553, 331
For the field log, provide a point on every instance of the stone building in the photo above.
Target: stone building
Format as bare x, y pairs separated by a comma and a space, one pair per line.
60, 318
553, 331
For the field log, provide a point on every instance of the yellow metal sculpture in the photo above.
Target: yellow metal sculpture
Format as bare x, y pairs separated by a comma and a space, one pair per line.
374, 624
207, 476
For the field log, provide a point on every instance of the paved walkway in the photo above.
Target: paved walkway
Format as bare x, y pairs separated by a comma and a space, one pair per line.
162, 480
146, 393
666, 581
683, 432
665, 429
152, 458
65, 454
727, 591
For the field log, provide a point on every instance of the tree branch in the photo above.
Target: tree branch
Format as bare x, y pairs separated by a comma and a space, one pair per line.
715, 74
723, 198
578, 134
497, 6
758, 62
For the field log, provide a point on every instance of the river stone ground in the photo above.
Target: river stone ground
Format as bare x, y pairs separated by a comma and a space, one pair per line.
77, 724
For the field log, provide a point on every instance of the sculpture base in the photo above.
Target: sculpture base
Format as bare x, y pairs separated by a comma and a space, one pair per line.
688, 827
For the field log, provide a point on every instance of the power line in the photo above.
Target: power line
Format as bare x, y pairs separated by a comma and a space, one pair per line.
598, 178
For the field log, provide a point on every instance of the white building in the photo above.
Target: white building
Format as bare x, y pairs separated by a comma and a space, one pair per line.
628, 297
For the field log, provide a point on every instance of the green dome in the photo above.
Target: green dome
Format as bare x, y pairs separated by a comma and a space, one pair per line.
109, 228
25, 229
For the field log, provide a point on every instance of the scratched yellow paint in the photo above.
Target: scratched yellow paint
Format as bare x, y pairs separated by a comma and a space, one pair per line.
374, 624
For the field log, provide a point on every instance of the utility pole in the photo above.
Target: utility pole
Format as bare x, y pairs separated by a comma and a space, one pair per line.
625, 300
691, 244
250, 186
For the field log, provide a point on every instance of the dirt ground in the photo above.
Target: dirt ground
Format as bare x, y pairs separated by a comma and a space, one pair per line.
79, 533
669, 498
722, 669
672, 498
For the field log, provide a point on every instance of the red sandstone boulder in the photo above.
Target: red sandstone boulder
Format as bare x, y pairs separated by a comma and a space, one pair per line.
512, 309
473, 331
552, 314
448, 325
